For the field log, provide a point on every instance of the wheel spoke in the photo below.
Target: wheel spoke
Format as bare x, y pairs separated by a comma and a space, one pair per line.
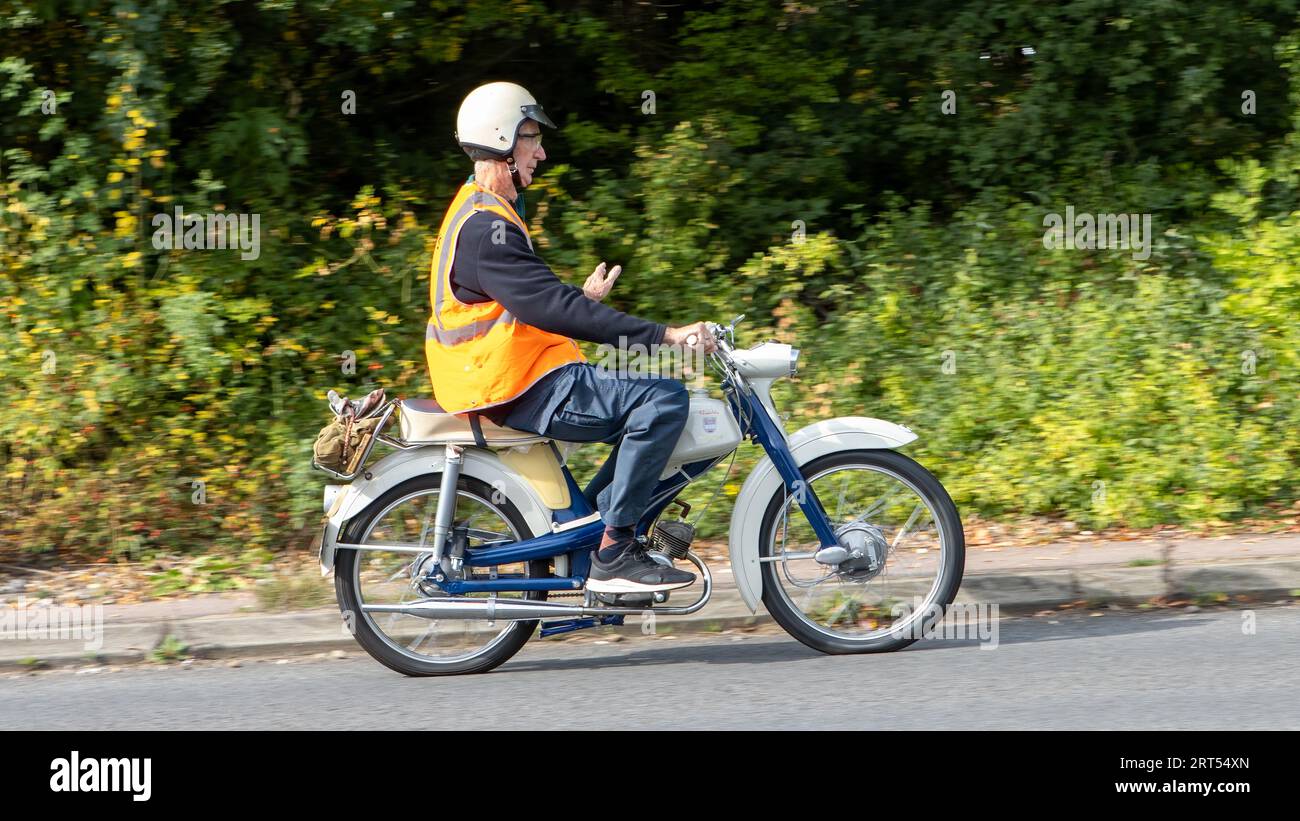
911, 520
878, 505
844, 487
807, 596
431, 511
407, 570
415, 645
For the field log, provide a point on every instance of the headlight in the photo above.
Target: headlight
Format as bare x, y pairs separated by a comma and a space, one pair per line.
794, 360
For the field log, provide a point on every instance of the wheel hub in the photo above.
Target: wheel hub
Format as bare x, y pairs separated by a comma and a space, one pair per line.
422, 573
867, 549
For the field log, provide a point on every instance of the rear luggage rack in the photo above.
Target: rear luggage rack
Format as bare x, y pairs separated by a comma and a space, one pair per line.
359, 458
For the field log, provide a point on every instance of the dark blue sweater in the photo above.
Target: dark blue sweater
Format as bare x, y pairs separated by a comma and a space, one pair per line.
510, 273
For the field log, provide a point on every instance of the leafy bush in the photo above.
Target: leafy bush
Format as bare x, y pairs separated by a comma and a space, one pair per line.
796, 166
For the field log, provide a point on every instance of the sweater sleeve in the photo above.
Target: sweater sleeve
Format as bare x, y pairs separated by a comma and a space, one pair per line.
512, 274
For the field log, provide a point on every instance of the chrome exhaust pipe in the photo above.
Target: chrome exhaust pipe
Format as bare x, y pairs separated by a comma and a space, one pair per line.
485, 609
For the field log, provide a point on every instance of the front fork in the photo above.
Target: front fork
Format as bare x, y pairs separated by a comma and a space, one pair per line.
805, 497
774, 442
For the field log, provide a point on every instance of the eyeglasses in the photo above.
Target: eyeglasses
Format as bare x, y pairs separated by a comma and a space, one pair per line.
536, 135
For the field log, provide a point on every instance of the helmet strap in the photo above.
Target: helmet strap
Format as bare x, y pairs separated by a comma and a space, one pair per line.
514, 172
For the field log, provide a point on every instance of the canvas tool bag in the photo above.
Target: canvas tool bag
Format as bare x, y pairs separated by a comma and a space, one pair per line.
342, 443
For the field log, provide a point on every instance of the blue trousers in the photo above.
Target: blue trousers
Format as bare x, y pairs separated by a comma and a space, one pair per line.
642, 417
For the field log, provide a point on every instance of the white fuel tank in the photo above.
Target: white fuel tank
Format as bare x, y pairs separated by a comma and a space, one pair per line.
711, 431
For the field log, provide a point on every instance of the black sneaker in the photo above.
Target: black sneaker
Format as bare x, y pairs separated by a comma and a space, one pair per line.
633, 571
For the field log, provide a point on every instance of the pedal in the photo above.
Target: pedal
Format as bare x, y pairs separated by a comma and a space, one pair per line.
552, 628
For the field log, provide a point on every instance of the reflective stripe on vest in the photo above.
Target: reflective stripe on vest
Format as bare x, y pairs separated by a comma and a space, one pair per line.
473, 330
476, 200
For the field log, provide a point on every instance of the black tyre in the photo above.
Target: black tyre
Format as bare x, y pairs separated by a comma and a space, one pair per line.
855, 608
403, 516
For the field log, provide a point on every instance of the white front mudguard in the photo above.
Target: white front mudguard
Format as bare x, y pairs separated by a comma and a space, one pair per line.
399, 466
807, 444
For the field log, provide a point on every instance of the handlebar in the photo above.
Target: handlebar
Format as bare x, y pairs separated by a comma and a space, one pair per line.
722, 334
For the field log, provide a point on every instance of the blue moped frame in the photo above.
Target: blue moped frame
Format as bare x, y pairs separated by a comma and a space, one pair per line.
579, 542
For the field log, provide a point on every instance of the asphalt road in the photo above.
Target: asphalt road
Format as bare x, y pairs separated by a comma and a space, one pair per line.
1118, 671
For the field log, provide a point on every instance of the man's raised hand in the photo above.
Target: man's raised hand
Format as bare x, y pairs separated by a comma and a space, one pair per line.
598, 285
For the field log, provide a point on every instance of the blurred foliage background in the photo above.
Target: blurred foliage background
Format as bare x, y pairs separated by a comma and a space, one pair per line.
788, 161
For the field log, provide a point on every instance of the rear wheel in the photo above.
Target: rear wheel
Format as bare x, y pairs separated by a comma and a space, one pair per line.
903, 525
414, 645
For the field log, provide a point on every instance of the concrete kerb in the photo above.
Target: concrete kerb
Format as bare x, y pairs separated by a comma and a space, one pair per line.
316, 631
1030, 592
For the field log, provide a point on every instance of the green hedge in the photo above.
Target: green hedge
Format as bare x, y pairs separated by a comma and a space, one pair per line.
1083, 384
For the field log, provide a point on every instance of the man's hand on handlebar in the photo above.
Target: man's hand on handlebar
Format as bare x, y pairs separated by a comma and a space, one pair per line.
696, 336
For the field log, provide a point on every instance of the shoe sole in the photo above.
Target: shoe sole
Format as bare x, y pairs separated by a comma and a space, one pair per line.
625, 586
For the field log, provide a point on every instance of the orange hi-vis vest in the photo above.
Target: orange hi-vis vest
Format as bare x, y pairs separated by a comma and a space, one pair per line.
479, 355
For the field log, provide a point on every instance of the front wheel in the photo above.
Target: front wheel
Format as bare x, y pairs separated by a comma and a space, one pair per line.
905, 538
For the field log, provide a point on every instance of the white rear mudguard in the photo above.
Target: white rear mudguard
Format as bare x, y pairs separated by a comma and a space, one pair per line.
399, 466
807, 444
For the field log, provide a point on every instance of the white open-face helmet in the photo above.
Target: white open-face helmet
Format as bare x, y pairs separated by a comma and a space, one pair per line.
489, 119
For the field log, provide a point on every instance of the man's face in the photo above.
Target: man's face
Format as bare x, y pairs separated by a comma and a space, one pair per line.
528, 150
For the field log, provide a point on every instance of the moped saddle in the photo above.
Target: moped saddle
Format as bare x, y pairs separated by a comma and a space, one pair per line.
423, 421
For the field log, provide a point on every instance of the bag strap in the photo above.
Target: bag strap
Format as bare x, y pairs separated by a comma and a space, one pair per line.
347, 438
476, 426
